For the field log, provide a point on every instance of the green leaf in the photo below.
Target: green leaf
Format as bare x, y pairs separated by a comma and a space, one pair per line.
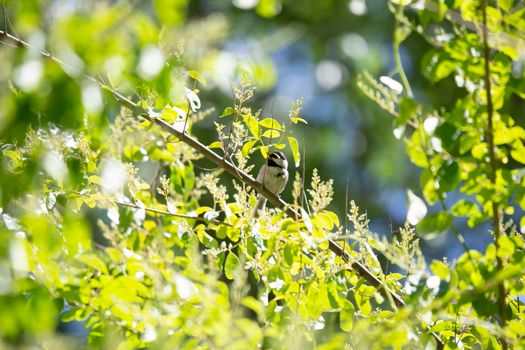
14, 155
448, 134
264, 151
232, 263
294, 146
479, 150
415, 150
252, 125
506, 246
71, 315
40, 312
271, 123
346, 317
408, 109
518, 152
440, 269
506, 4
362, 297
466, 143
197, 76
428, 185
76, 234
227, 111
271, 134
464, 208
253, 304
448, 177
434, 224
296, 120
314, 301
516, 19
437, 65
216, 144
189, 177
288, 254
334, 300
247, 147
94, 261
504, 135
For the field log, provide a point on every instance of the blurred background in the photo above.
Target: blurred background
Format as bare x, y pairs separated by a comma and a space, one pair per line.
310, 50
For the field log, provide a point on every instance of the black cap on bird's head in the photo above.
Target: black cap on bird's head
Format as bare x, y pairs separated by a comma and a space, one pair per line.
278, 159
277, 155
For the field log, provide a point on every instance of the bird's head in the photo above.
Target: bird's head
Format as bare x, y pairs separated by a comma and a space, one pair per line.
277, 158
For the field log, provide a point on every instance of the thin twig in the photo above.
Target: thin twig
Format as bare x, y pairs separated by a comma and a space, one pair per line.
346, 210
397, 58
163, 212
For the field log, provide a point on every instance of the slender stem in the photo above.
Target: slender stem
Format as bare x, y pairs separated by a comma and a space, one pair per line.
496, 210
397, 58
163, 212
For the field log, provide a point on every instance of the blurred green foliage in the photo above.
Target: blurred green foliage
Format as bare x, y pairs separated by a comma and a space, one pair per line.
94, 201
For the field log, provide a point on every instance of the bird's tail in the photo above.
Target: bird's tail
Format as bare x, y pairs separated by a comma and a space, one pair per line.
261, 204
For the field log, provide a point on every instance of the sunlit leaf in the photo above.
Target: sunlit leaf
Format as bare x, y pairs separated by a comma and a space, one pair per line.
227, 111
94, 261
231, 265
215, 144
252, 125
434, 224
294, 147
247, 147
197, 76
346, 317
271, 123
272, 134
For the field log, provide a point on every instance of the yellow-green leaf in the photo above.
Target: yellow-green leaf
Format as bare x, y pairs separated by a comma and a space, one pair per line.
231, 264
227, 111
95, 262
518, 152
294, 146
252, 125
479, 150
197, 76
271, 123
271, 134
246, 148
346, 317
216, 144
296, 120
264, 151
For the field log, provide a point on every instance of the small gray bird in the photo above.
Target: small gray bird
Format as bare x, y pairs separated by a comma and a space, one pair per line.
274, 176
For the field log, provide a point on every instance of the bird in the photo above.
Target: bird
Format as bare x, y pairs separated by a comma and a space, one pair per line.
274, 176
